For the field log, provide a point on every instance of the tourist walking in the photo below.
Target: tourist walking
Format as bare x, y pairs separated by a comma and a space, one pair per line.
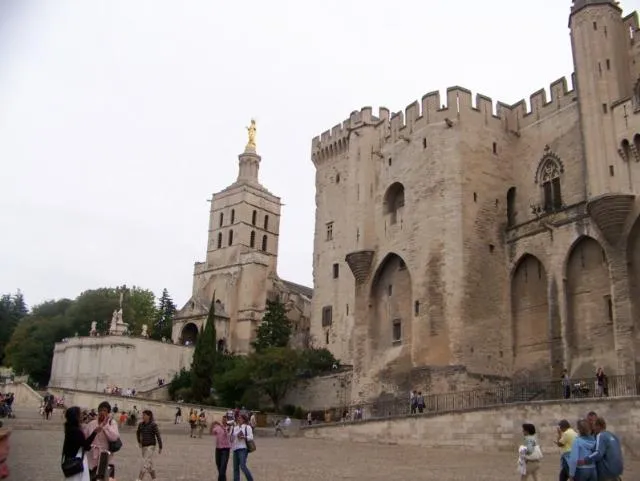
147, 435
223, 446
600, 382
566, 437
566, 384
76, 445
202, 422
607, 454
178, 418
193, 423
100, 449
582, 447
532, 454
239, 437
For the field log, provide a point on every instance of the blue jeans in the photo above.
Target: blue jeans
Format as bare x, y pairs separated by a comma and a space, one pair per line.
240, 463
588, 474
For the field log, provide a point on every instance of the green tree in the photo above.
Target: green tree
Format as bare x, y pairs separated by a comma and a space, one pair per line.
274, 371
232, 381
316, 361
180, 384
164, 317
139, 307
30, 350
275, 328
204, 358
12, 309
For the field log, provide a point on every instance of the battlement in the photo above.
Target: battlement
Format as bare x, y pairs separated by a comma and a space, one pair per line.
335, 141
459, 107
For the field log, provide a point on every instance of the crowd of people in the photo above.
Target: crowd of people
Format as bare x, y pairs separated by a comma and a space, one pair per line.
92, 440
589, 453
118, 391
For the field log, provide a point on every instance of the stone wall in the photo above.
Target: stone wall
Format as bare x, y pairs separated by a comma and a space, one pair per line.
24, 395
162, 410
322, 392
92, 363
491, 429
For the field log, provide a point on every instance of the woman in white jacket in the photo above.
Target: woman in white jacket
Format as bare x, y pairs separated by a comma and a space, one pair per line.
239, 437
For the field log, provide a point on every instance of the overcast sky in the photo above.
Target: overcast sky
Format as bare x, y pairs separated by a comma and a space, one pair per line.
120, 118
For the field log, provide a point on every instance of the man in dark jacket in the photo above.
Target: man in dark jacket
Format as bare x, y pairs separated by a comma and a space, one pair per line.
147, 435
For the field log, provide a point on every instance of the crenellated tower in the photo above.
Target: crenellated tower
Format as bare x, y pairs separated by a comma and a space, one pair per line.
600, 44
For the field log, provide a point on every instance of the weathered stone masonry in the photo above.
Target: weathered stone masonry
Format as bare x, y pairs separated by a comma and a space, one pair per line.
499, 238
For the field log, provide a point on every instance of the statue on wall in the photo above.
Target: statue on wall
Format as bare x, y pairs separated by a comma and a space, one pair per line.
144, 331
114, 321
93, 331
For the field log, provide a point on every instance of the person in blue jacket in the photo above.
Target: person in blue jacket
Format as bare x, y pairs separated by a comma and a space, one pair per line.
607, 455
582, 447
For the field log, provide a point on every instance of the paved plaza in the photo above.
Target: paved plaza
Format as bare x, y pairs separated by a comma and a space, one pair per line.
35, 455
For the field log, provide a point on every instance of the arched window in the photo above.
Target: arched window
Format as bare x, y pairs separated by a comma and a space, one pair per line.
264, 243
233, 215
219, 240
253, 217
550, 181
511, 207
266, 222
636, 144
394, 201
231, 237
221, 218
252, 240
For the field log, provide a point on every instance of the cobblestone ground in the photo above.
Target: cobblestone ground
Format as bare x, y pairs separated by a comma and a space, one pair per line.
35, 455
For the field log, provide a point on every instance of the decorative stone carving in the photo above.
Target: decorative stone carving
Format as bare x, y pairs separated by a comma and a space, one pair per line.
93, 331
144, 331
360, 264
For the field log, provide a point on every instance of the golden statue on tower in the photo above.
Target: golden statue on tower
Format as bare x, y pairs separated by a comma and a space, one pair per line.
251, 130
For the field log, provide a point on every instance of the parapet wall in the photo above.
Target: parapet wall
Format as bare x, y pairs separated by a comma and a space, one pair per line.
92, 363
490, 429
459, 106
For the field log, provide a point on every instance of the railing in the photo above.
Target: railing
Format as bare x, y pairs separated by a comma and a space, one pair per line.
616, 386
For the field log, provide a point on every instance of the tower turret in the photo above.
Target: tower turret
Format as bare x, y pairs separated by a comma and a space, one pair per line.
600, 54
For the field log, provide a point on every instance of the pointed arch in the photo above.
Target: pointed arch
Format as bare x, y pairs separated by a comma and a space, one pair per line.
394, 202
391, 304
633, 262
590, 334
531, 327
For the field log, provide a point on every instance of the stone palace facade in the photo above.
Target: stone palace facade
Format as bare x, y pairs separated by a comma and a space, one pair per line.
501, 238
241, 266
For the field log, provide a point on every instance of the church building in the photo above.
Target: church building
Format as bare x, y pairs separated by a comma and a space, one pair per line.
241, 265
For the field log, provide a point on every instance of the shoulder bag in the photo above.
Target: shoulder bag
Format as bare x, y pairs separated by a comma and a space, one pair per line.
72, 466
251, 444
114, 446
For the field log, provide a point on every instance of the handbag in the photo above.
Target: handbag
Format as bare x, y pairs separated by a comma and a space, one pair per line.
251, 444
72, 466
536, 455
115, 446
